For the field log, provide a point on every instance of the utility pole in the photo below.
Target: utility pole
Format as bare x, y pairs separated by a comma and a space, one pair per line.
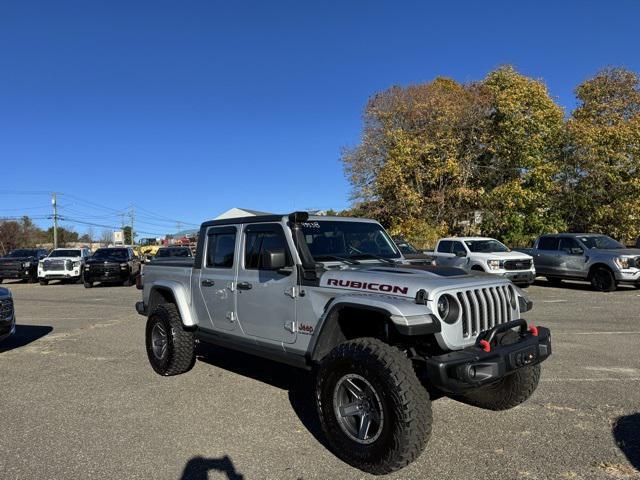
54, 203
132, 215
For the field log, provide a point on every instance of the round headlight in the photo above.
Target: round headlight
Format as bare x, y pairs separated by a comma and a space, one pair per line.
443, 306
448, 309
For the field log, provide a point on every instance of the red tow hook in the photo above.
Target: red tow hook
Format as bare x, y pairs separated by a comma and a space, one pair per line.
486, 346
533, 330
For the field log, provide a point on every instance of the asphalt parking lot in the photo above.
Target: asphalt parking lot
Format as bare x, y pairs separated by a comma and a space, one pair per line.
79, 401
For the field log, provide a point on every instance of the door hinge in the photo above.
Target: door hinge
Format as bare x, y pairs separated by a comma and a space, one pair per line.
290, 326
292, 292
231, 316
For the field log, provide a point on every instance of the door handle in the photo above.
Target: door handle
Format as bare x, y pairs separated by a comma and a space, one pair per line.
244, 286
207, 283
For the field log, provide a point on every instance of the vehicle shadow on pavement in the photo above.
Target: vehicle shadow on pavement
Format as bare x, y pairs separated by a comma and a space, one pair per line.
626, 431
198, 468
297, 382
25, 334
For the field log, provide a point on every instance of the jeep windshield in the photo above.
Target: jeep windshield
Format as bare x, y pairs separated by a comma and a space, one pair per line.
64, 253
330, 240
21, 253
600, 242
115, 254
486, 246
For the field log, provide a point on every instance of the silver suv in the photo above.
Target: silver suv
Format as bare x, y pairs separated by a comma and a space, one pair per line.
596, 258
335, 296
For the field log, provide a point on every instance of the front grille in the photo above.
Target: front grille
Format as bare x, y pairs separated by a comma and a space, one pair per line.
484, 308
99, 269
6, 308
524, 264
54, 265
10, 267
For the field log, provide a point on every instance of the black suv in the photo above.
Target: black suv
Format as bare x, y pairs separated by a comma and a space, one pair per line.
21, 264
112, 265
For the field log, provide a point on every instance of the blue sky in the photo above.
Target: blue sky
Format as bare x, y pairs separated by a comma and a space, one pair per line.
188, 108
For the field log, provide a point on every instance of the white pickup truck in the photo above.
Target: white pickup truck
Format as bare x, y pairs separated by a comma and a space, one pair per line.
64, 264
485, 254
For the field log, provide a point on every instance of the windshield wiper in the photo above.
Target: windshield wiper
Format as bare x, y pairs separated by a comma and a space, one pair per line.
348, 261
377, 257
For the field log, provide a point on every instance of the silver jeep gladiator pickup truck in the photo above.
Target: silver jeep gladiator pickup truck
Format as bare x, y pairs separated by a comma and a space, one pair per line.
596, 258
334, 296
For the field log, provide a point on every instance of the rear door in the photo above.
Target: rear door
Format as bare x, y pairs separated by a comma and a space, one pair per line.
265, 299
216, 282
545, 255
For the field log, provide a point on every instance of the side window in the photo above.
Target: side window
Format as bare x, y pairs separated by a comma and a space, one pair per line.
260, 240
548, 243
221, 246
458, 249
567, 244
444, 246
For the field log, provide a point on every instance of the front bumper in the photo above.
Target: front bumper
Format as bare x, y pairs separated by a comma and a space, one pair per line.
59, 274
16, 274
474, 366
628, 276
520, 276
7, 327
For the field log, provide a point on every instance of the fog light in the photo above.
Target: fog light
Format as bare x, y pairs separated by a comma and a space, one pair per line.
472, 372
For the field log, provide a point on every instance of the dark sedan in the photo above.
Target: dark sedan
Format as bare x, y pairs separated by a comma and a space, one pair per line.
7, 315
112, 265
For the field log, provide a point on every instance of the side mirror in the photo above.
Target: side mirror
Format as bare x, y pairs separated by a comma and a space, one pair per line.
274, 260
460, 253
577, 251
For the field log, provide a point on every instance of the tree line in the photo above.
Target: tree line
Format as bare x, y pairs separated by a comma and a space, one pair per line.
24, 233
435, 156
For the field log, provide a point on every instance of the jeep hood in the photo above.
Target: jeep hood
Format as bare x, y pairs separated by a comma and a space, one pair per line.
405, 281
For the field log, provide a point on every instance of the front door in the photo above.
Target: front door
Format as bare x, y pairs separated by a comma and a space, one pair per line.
571, 257
265, 299
217, 275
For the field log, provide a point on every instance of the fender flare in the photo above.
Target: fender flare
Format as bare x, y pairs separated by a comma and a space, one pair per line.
180, 297
328, 334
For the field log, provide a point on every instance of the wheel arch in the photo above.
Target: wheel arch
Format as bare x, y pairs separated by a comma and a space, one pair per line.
598, 265
171, 292
341, 322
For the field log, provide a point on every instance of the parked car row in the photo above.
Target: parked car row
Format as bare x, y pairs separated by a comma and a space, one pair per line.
596, 258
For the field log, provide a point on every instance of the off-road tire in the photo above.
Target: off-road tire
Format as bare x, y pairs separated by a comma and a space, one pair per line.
88, 284
180, 354
32, 279
405, 403
603, 280
127, 282
509, 391
43, 282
